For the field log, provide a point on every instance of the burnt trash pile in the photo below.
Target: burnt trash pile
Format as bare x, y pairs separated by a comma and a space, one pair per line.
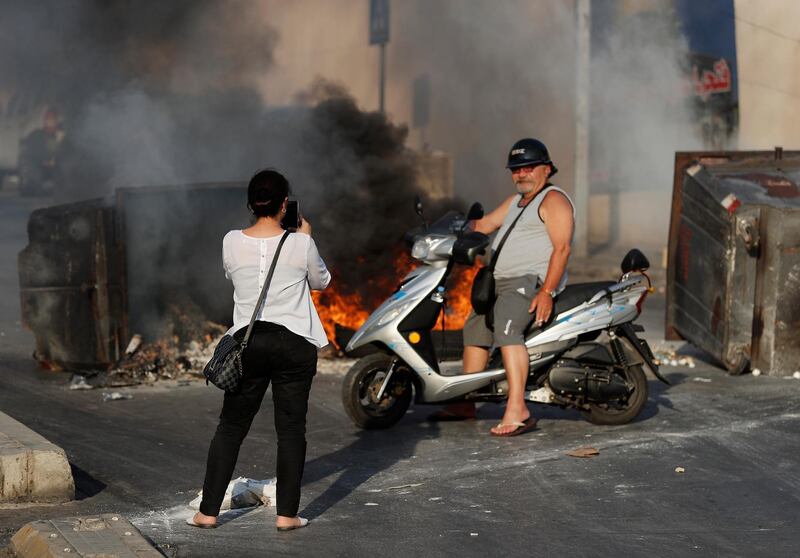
179, 353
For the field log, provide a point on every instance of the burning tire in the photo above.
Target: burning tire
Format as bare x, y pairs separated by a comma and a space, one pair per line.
362, 385
622, 412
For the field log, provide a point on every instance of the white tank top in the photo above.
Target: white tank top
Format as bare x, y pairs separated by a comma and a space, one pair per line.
528, 248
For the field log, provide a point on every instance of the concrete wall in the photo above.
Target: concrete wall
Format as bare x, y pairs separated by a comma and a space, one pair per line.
768, 51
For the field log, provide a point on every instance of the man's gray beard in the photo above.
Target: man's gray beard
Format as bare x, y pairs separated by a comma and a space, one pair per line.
524, 187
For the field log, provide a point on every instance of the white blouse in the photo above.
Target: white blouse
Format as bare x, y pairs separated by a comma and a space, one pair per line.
300, 268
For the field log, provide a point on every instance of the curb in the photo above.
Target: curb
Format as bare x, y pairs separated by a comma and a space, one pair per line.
105, 535
32, 469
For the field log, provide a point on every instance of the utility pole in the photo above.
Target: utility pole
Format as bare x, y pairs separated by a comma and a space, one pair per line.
382, 79
582, 78
379, 35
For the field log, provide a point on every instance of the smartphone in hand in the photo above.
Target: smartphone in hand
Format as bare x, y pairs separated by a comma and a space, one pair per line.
292, 218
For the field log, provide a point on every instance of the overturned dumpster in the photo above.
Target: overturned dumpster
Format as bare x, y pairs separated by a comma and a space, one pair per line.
96, 272
733, 280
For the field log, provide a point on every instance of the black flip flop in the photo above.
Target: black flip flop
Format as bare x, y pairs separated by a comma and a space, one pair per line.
521, 428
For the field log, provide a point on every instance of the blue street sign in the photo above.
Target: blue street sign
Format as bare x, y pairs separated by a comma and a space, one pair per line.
378, 22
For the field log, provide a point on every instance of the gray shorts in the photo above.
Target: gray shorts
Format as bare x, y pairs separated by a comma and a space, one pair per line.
511, 316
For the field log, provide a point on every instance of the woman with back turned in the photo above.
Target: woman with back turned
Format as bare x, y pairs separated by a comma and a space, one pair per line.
282, 349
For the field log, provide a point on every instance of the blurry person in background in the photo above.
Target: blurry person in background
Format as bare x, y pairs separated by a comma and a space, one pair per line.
39, 157
282, 350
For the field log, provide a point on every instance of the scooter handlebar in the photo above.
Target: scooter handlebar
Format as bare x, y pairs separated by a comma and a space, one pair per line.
469, 246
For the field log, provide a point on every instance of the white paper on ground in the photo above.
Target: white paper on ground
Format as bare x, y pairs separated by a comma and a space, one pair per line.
244, 493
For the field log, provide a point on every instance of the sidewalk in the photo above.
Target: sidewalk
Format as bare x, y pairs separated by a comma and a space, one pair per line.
32, 469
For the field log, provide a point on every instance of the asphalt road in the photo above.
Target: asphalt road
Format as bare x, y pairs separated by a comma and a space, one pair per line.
422, 489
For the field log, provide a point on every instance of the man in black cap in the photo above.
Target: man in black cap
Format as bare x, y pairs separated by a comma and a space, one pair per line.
529, 272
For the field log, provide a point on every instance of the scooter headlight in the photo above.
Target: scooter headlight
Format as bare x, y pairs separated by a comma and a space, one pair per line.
392, 314
420, 249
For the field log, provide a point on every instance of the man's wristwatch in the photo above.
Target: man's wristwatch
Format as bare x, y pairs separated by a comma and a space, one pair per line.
551, 293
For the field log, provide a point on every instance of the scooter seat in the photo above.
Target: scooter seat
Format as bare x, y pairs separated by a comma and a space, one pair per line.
570, 297
576, 294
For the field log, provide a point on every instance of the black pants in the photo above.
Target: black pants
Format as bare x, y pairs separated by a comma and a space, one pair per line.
289, 361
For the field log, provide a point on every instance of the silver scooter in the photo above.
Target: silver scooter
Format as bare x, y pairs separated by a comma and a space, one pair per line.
586, 357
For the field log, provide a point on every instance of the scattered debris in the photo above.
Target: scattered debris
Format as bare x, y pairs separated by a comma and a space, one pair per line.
79, 382
244, 493
680, 470
584, 451
435, 499
185, 344
704, 380
371, 504
796, 375
116, 396
473, 534
667, 356
756, 372
135, 341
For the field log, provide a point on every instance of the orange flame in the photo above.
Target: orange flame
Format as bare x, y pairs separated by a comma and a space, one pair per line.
458, 304
339, 305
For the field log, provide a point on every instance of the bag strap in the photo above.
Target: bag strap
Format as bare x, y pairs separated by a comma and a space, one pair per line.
264, 290
514, 222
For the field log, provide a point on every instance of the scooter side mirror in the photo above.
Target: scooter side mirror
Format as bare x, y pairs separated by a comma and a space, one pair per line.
475, 212
418, 205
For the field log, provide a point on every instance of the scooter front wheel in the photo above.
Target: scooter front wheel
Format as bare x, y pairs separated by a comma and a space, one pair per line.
362, 385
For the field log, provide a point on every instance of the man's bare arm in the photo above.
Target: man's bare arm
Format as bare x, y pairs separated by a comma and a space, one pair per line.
556, 212
493, 220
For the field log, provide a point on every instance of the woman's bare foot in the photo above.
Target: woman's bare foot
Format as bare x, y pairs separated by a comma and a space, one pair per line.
203, 519
284, 523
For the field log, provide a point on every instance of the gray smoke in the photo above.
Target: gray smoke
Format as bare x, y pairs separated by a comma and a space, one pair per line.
173, 92
149, 92
500, 71
171, 95
641, 115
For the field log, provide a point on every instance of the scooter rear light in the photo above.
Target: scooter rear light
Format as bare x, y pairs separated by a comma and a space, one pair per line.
640, 302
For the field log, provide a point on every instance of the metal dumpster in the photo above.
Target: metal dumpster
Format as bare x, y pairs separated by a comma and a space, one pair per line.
98, 271
71, 284
733, 279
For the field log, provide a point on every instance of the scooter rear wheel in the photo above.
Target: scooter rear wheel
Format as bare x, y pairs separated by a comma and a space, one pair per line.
360, 389
622, 413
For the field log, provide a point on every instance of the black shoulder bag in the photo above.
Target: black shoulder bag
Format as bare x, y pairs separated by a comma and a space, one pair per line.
224, 370
483, 295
